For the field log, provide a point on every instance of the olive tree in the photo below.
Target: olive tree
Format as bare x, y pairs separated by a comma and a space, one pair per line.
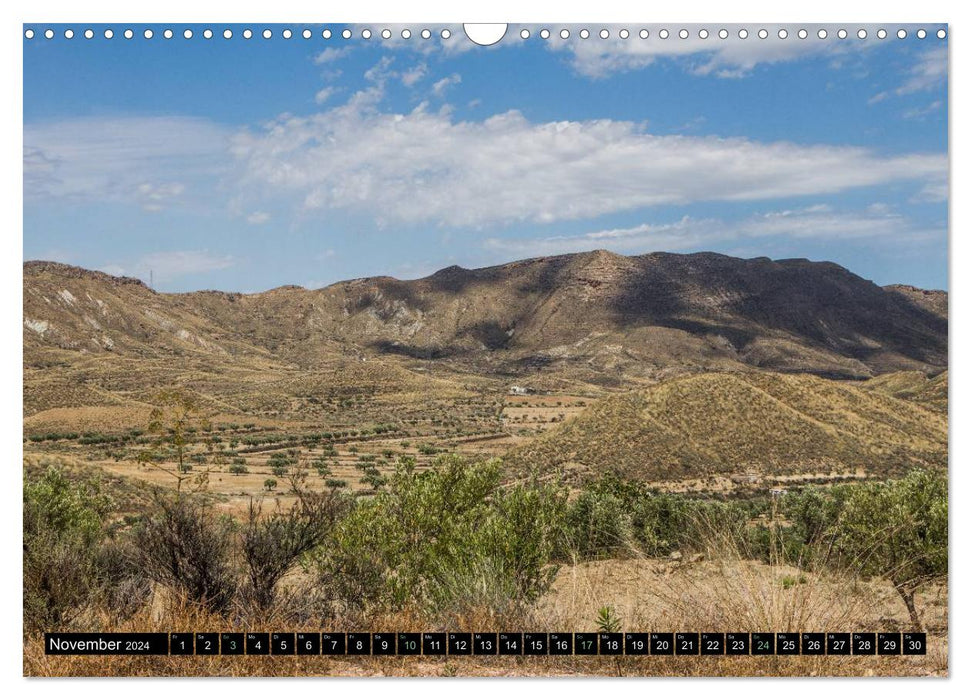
898, 530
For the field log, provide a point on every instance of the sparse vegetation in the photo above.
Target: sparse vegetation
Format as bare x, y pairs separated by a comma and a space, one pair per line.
188, 548
291, 486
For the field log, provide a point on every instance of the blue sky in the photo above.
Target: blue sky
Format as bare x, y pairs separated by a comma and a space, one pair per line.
247, 164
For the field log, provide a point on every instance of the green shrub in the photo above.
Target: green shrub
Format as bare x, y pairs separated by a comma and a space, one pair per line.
444, 539
898, 530
597, 524
62, 524
613, 517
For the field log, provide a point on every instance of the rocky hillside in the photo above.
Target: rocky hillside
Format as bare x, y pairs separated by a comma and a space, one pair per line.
598, 317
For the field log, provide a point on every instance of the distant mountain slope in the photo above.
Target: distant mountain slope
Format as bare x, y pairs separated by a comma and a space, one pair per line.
596, 316
711, 424
933, 300
930, 392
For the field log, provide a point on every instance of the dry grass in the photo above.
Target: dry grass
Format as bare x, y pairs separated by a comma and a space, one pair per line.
722, 424
723, 595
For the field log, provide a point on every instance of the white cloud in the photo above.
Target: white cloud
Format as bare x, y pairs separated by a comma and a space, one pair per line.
731, 57
440, 86
257, 218
324, 94
154, 197
928, 73
594, 57
413, 75
817, 222
380, 71
424, 167
921, 112
456, 42
330, 54
167, 265
936, 191
150, 161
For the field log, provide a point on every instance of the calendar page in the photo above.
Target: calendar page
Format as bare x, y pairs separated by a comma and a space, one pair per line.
485, 350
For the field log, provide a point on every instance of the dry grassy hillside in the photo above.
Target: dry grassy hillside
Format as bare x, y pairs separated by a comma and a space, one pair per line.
930, 392
722, 424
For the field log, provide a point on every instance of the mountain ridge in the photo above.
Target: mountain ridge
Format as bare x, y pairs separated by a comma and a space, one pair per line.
597, 316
